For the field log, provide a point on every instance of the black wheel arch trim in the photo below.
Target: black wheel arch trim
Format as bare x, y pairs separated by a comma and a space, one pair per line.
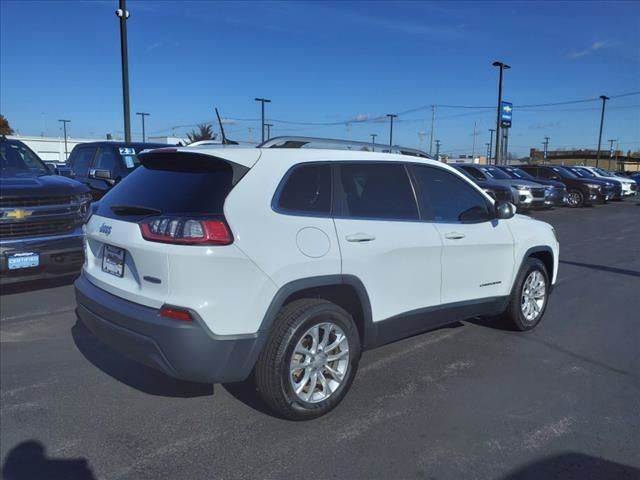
539, 249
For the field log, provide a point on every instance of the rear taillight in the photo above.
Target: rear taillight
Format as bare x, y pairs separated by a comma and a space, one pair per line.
186, 231
175, 313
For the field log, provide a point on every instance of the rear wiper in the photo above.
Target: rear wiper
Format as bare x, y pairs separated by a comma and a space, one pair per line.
134, 210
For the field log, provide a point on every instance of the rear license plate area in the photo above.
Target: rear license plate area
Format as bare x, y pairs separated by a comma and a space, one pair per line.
113, 260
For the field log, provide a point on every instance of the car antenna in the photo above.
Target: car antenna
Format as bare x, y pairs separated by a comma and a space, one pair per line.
225, 140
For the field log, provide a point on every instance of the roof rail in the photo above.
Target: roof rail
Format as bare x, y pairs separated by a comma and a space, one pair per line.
331, 143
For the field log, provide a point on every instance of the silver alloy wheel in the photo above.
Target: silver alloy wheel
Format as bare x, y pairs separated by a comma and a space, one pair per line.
319, 362
533, 295
573, 199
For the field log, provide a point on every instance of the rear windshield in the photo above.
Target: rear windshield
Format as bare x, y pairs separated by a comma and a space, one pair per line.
191, 185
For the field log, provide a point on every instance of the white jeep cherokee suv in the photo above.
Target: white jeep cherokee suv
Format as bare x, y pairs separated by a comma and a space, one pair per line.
211, 263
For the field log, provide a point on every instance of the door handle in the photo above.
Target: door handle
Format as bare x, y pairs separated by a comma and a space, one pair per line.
454, 235
360, 237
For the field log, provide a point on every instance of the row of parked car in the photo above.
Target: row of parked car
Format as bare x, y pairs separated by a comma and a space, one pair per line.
545, 186
43, 206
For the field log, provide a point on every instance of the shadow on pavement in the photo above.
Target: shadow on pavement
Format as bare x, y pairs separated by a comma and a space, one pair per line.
132, 373
27, 461
574, 466
246, 393
604, 268
33, 285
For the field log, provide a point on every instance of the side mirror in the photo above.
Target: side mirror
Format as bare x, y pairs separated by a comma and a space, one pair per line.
505, 210
101, 174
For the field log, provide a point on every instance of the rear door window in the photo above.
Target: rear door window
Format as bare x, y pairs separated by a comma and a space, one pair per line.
377, 191
307, 190
474, 172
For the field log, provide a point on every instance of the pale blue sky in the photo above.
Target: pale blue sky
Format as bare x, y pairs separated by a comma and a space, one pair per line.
340, 63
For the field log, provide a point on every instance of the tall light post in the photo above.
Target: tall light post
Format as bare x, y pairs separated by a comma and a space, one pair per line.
491, 130
503, 66
64, 127
268, 125
262, 102
391, 117
488, 145
438, 150
123, 14
142, 115
433, 121
373, 141
604, 101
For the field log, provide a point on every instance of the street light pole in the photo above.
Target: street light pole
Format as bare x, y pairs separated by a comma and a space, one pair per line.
263, 101
491, 130
373, 141
268, 125
488, 145
604, 100
143, 114
64, 127
123, 14
503, 66
391, 117
438, 150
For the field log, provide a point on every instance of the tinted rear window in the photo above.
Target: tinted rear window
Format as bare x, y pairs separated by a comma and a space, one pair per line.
177, 186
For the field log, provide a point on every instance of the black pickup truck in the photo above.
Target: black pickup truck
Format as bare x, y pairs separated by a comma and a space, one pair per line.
41, 217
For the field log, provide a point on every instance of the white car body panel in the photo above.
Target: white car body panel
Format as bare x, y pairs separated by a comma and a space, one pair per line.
626, 183
409, 265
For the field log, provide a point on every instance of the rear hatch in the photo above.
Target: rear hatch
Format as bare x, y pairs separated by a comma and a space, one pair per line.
170, 191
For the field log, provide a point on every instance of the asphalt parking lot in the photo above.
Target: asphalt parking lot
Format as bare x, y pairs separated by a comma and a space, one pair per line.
468, 401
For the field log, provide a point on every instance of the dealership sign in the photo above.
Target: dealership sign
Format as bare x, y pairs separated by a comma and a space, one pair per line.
506, 110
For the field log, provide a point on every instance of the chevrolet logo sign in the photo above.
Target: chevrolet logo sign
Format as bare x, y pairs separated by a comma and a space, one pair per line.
18, 214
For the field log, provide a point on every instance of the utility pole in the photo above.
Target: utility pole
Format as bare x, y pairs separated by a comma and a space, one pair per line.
491, 130
373, 141
123, 14
433, 120
142, 115
473, 148
64, 126
488, 145
263, 101
546, 150
391, 117
604, 100
268, 125
438, 150
503, 66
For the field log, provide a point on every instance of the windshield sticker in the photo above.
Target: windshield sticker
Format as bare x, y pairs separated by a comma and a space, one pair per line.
127, 151
128, 161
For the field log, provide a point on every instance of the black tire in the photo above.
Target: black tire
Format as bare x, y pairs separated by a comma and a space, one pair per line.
579, 196
513, 315
272, 371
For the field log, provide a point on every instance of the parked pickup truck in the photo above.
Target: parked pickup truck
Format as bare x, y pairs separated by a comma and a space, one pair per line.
41, 217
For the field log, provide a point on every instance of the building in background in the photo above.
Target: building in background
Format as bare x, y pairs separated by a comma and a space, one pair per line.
613, 161
51, 149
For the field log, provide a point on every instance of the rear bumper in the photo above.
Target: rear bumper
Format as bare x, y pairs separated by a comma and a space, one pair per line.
183, 350
60, 255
